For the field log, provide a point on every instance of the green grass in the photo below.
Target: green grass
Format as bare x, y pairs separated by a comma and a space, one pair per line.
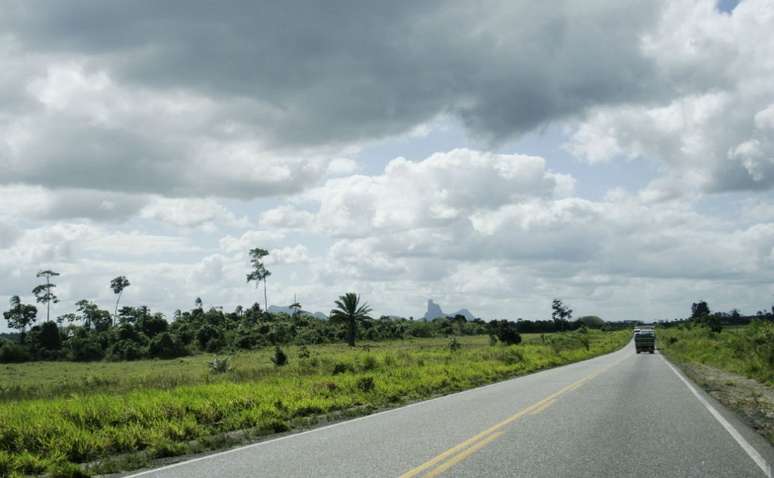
56, 415
747, 350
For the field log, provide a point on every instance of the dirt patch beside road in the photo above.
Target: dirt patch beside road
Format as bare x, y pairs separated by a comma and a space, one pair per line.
752, 400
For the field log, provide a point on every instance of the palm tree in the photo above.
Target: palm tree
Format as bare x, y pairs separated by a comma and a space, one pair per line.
350, 311
295, 307
259, 272
118, 285
44, 293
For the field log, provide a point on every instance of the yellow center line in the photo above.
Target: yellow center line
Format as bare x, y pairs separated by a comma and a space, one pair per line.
480, 440
542, 407
461, 456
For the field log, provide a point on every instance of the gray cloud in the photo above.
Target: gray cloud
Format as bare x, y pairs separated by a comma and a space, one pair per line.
8, 234
319, 73
37, 203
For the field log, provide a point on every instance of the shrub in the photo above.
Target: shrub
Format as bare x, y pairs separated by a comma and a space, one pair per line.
280, 357
206, 335
303, 352
342, 367
46, 336
585, 341
85, 349
511, 356
366, 384
218, 366
370, 363
125, 350
13, 353
506, 331
166, 346
454, 345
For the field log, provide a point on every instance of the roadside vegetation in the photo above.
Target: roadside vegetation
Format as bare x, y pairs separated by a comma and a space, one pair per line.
727, 341
746, 350
124, 414
729, 355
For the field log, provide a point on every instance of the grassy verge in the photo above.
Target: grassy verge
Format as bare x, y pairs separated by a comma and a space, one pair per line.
735, 366
747, 350
166, 408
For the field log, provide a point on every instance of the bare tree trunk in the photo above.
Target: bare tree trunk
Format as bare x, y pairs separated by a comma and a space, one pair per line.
48, 302
116, 311
351, 333
265, 297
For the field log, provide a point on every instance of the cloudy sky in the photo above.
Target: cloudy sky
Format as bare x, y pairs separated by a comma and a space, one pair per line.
491, 155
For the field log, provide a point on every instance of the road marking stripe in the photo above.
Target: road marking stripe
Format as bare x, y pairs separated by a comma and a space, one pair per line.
542, 407
462, 456
480, 436
749, 449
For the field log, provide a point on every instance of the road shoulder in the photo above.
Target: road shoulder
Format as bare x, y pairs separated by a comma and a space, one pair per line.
751, 400
714, 386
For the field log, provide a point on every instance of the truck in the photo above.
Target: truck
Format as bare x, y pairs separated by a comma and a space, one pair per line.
645, 340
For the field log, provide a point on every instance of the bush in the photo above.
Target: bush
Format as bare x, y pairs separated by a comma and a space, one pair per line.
454, 345
85, 349
125, 350
303, 352
13, 353
46, 336
370, 363
166, 346
366, 384
219, 366
511, 356
506, 331
280, 357
342, 367
206, 336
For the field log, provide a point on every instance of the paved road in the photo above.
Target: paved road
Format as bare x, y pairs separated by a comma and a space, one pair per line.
617, 415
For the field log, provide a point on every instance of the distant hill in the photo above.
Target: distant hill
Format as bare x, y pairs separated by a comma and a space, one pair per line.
434, 311
592, 321
278, 309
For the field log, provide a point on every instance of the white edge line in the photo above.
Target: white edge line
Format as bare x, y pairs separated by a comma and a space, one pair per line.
746, 446
351, 420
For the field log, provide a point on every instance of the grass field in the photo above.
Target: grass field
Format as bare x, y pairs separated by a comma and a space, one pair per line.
54, 416
746, 350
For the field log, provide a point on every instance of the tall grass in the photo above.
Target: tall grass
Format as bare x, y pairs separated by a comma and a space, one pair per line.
174, 407
747, 350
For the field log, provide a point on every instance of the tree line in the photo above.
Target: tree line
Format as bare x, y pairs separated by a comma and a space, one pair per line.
131, 333
701, 315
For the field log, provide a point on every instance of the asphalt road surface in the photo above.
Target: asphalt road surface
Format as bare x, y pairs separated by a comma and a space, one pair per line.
616, 415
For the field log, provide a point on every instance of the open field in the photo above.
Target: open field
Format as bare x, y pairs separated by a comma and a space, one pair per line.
165, 408
746, 350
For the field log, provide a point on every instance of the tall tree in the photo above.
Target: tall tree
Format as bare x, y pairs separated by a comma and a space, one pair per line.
118, 285
92, 316
699, 309
20, 316
349, 311
44, 293
295, 307
259, 272
560, 314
